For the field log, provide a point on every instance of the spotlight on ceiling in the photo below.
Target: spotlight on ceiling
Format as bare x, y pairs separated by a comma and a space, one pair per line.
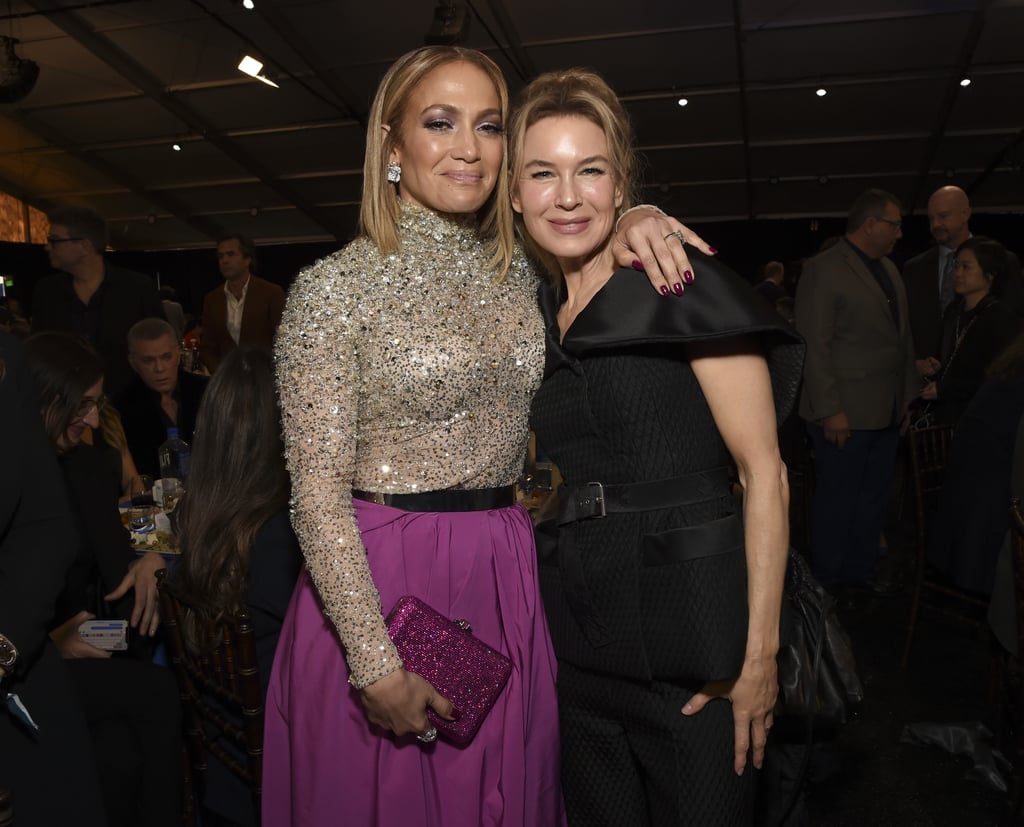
821, 91
450, 24
248, 4
252, 67
965, 82
176, 147
682, 101
17, 75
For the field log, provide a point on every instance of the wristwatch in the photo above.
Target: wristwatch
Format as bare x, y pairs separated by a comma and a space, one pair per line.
8, 654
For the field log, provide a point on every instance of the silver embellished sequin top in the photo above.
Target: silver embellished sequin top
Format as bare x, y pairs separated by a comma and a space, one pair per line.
400, 373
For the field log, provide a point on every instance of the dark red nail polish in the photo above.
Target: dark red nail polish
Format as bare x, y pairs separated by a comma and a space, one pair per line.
678, 288
712, 250
664, 290
688, 277
637, 264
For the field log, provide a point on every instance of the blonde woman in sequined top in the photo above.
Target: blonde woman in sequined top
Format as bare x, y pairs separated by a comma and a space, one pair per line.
406, 363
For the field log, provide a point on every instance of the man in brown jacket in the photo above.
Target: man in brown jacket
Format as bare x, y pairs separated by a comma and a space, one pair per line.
245, 311
859, 378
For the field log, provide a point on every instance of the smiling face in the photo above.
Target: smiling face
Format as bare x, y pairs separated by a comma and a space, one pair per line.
566, 190
450, 144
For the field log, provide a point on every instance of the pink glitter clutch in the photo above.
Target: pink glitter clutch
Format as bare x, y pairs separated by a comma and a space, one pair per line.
466, 671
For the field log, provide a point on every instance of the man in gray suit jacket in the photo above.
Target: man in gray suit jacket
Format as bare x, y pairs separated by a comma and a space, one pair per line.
859, 378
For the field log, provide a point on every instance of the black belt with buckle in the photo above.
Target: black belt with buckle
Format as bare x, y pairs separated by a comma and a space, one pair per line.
448, 499
595, 500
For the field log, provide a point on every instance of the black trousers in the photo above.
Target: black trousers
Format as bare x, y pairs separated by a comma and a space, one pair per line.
630, 758
134, 717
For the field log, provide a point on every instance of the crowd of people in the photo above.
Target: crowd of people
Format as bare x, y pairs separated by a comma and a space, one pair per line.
503, 280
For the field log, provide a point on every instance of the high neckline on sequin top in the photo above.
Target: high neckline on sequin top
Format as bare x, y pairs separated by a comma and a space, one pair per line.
441, 226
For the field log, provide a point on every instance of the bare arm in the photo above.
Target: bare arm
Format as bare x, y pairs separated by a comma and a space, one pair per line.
735, 382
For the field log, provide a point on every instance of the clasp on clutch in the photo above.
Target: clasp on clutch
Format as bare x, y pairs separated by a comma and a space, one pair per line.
464, 625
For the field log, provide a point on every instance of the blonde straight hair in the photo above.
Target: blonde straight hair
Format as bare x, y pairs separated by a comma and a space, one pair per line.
379, 211
579, 93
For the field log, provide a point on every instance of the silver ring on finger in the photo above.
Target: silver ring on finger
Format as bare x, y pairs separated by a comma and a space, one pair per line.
677, 234
428, 736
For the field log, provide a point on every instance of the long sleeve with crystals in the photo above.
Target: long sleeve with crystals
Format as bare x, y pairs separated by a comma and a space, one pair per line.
401, 373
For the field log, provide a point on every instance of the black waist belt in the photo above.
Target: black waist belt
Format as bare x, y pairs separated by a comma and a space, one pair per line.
448, 499
595, 500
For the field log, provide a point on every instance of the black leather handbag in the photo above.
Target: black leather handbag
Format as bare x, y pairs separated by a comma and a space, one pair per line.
818, 679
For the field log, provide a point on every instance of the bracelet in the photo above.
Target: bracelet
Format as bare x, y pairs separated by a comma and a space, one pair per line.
637, 207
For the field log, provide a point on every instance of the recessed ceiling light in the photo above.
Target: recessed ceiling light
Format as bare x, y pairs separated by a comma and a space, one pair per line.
682, 101
176, 147
965, 82
821, 92
248, 4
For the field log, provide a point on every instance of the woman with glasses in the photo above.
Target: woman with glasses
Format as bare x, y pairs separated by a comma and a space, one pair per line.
68, 378
131, 705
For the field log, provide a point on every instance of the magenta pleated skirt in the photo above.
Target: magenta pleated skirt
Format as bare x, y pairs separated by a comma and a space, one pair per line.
324, 764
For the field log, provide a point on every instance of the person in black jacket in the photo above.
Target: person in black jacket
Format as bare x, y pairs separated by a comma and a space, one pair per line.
37, 545
237, 545
160, 396
131, 705
88, 296
662, 602
976, 327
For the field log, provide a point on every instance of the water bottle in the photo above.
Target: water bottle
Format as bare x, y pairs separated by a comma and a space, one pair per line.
174, 459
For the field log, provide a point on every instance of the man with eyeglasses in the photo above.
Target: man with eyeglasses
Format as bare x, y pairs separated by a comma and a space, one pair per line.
89, 296
859, 379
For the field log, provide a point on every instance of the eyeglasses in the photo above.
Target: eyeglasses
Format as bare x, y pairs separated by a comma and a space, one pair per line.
87, 404
53, 240
896, 224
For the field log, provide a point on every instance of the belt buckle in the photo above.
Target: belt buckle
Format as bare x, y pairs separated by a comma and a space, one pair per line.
597, 499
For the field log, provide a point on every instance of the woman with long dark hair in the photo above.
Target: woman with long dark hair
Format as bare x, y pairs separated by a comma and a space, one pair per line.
131, 705
237, 546
233, 518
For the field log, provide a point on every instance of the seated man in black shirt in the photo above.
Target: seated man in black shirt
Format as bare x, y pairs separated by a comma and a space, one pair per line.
161, 396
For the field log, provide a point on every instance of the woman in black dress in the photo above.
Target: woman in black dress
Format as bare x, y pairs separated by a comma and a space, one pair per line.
663, 602
976, 328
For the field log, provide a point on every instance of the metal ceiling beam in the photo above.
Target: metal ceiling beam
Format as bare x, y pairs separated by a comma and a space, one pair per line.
739, 36
139, 76
302, 47
519, 59
164, 201
994, 164
938, 132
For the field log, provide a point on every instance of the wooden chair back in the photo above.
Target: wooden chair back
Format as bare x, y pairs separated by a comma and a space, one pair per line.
219, 685
929, 449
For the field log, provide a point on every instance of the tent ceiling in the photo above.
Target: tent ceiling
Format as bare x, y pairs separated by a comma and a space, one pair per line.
122, 80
